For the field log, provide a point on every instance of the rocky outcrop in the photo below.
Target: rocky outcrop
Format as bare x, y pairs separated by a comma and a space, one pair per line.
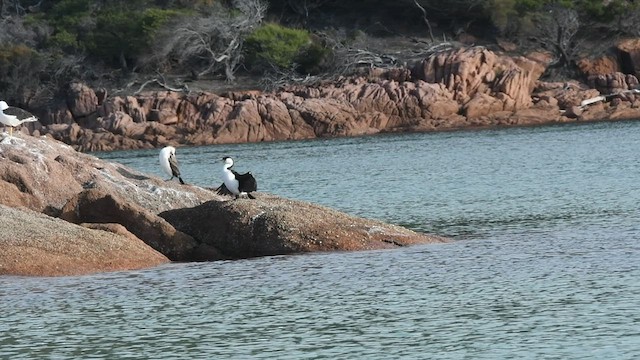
460, 88
44, 175
34, 244
629, 54
51, 178
98, 206
612, 83
468, 87
606, 64
271, 225
446, 91
55, 200
472, 72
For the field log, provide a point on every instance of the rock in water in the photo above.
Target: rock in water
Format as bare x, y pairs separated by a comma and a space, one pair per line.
271, 225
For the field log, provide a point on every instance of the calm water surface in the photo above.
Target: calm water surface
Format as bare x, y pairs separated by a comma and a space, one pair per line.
546, 264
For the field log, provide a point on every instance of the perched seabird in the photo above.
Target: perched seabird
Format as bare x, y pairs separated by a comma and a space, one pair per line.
169, 163
237, 184
12, 116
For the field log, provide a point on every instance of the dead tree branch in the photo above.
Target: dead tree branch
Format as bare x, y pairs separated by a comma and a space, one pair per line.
349, 60
163, 85
206, 45
425, 20
556, 29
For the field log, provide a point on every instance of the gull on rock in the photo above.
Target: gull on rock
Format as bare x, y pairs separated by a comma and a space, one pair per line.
12, 116
237, 184
169, 163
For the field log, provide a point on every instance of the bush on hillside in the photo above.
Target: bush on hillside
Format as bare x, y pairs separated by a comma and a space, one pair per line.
313, 59
275, 45
209, 42
20, 70
122, 35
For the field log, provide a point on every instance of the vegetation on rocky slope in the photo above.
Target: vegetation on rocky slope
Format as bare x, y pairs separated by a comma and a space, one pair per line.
44, 44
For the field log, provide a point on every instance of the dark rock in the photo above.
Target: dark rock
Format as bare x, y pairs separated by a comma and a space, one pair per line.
271, 225
96, 206
629, 53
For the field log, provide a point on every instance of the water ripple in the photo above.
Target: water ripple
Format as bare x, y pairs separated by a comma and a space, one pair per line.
546, 266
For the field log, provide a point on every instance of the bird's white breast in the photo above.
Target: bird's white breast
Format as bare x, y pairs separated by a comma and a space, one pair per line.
164, 161
230, 181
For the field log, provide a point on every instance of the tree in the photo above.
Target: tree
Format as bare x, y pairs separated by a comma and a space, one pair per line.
304, 7
210, 43
18, 7
20, 65
556, 28
123, 32
626, 19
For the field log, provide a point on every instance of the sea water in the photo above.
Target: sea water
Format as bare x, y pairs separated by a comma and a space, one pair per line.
545, 262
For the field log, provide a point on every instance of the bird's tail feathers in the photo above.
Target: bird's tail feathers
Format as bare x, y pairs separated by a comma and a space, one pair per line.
181, 181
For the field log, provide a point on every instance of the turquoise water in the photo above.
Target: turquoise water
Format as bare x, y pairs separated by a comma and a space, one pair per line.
546, 262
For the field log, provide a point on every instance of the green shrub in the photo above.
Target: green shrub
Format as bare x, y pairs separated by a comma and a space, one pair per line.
121, 35
70, 16
501, 11
607, 11
273, 44
312, 59
64, 40
20, 70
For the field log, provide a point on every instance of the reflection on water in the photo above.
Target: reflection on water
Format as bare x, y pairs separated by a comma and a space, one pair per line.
546, 266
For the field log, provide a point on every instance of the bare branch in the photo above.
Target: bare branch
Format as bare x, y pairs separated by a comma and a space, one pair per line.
209, 44
349, 59
425, 19
162, 84
556, 29
304, 7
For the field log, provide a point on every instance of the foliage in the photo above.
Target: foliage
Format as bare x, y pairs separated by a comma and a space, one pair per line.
64, 40
46, 42
501, 11
206, 44
122, 34
313, 59
20, 69
275, 45
555, 29
72, 21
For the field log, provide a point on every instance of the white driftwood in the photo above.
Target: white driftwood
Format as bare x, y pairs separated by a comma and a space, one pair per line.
598, 98
184, 87
593, 100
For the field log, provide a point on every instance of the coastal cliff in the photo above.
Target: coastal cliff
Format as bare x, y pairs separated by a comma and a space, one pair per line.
68, 213
470, 87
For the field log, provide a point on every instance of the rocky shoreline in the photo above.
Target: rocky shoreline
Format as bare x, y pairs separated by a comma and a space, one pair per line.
64, 212
463, 88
